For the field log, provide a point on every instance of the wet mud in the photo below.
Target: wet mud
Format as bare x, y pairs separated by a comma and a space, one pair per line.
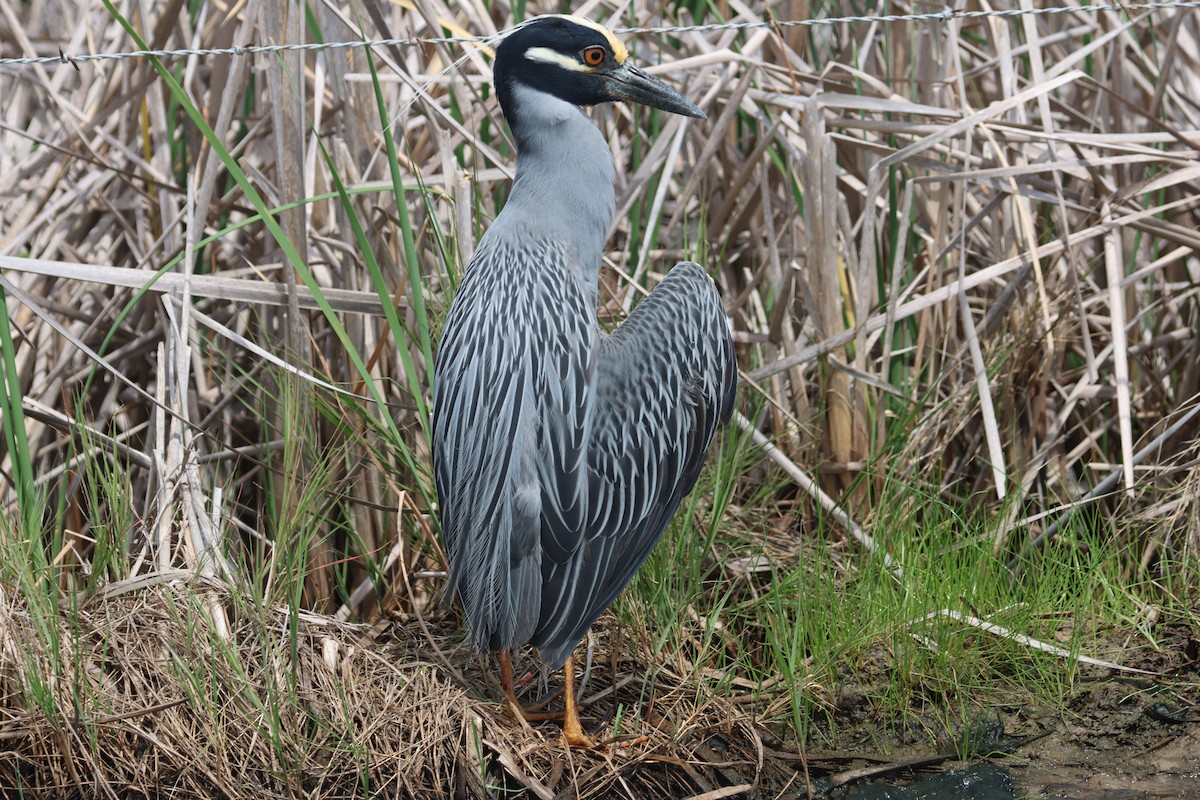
1115, 738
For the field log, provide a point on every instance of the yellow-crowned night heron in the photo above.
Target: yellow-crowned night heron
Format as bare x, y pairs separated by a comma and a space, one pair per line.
561, 452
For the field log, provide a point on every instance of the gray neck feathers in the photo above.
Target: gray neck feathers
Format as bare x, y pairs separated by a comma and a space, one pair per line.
564, 185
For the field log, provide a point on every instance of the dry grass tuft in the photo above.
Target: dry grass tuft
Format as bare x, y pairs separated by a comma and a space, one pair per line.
153, 701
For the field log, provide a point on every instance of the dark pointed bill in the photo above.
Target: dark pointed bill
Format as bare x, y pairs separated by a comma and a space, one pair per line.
632, 85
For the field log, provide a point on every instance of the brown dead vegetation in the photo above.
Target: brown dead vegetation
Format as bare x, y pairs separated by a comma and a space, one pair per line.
956, 251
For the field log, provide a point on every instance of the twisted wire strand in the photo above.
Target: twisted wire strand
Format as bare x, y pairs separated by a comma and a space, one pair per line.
934, 16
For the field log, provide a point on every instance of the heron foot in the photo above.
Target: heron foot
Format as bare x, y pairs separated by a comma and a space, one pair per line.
574, 736
531, 713
573, 733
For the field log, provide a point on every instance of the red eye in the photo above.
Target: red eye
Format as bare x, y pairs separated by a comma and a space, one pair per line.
594, 56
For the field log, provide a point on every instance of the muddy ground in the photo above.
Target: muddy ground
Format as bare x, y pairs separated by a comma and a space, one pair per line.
1118, 737
1115, 741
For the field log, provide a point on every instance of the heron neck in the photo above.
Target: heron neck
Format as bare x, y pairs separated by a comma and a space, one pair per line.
565, 176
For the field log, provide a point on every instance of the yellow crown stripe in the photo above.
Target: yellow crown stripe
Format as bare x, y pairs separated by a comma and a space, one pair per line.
620, 53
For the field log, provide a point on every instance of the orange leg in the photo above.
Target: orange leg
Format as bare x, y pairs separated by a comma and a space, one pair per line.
506, 677
510, 693
572, 730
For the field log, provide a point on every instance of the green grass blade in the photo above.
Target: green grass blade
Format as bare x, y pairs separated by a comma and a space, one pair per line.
14, 424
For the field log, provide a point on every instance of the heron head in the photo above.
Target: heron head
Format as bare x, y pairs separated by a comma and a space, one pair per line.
581, 62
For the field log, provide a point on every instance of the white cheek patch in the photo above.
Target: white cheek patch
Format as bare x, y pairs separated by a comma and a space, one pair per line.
547, 56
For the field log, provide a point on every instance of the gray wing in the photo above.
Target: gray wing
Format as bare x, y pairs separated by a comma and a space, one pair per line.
664, 380
510, 426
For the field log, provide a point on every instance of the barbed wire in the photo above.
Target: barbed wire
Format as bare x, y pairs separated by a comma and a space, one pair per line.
932, 16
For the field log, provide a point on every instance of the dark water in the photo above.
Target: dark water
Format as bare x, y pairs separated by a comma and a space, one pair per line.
988, 781
978, 782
